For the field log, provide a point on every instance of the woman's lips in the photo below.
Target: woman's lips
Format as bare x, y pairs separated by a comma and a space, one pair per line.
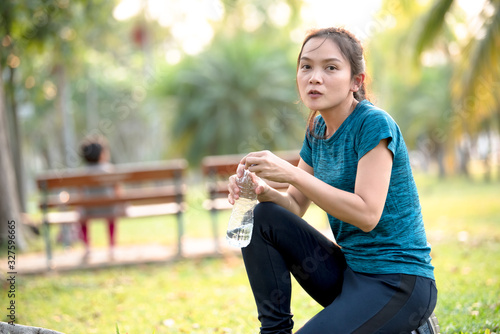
314, 93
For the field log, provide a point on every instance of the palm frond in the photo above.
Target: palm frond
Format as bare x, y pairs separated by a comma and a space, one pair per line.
431, 25
482, 60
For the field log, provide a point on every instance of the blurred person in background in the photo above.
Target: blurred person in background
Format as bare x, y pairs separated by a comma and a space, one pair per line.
96, 154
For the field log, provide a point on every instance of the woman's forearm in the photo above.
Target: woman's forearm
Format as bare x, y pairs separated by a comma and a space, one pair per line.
283, 199
345, 206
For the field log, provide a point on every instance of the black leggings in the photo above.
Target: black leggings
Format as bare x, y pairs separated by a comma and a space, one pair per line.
283, 243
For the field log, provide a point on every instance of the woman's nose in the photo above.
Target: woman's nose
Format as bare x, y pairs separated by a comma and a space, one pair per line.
315, 78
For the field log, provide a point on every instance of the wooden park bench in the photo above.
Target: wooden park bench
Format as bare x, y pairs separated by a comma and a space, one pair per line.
145, 190
217, 170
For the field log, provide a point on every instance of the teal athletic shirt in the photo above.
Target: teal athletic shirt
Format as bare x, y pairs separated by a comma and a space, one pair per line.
398, 243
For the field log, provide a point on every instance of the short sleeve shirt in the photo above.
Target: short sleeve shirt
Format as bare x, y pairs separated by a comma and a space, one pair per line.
398, 243
100, 192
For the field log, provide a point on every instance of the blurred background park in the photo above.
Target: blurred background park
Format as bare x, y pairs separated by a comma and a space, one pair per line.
165, 79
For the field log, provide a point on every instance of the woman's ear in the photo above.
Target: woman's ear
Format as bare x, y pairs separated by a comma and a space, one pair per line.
357, 82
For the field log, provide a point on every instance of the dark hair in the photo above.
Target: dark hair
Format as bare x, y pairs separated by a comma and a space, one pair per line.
92, 148
351, 49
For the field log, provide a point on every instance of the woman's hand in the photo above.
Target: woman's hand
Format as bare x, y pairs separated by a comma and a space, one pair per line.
261, 187
268, 166
263, 166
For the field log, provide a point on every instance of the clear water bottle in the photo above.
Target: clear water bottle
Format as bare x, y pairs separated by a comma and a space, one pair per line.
239, 229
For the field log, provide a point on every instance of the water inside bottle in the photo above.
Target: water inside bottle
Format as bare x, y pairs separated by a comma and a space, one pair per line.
240, 236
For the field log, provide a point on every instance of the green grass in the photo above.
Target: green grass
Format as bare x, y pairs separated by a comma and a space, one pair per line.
463, 226
213, 296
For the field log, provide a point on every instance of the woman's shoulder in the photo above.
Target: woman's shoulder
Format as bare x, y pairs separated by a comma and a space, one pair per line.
368, 109
370, 113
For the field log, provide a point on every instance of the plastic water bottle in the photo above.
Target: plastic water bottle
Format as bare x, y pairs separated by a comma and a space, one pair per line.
239, 229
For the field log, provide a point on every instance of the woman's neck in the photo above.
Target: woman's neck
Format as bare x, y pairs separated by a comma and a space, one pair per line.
335, 117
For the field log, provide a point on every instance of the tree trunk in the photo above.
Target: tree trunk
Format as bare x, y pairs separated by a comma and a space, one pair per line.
63, 106
15, 137
9, 200
463, 153
437, 152
440, 155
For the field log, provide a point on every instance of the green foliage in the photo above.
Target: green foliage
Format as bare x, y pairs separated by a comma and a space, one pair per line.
236, 97
476, 70
477, 75
38, 25
417, 98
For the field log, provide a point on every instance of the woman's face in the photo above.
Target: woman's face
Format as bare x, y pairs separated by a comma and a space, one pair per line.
324, 76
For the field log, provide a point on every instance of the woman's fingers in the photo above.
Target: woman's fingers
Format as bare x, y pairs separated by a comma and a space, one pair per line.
233, 189
255, 159
240, 170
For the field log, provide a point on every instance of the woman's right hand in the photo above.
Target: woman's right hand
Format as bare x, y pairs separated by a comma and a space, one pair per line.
261, 187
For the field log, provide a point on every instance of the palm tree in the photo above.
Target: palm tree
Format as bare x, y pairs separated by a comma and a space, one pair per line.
476, 79
413, 96
480, 54
237, 97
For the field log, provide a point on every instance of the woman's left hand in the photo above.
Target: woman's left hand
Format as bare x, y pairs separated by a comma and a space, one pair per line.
268, 166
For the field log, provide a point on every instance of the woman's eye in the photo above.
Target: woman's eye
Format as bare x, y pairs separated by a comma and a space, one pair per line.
331, 68
305, 67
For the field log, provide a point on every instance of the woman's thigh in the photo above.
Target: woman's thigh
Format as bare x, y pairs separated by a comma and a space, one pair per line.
370, 304
315, 261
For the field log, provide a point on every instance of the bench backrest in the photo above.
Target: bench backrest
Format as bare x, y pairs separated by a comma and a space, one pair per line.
66, 187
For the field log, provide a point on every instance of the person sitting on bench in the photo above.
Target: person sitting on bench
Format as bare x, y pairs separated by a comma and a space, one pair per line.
95, 152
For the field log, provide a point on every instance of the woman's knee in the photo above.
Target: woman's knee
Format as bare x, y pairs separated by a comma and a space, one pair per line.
264, 209
268, 214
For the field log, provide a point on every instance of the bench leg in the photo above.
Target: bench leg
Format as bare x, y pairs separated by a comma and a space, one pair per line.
180, 233
213, 215
47, 245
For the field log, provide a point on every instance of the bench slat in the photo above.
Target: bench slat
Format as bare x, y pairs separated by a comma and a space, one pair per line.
133, 211
164, 194
61, 217
80, 178
153, 210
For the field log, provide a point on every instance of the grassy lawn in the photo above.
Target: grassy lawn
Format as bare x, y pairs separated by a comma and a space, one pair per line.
213, 296
463, 226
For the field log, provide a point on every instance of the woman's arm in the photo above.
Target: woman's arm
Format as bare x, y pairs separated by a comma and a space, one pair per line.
363, 208
292, 200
